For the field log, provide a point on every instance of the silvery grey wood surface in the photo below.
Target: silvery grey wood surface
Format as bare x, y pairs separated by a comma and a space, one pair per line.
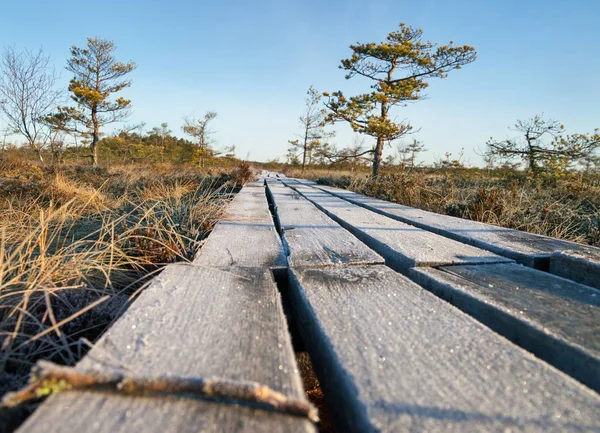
526, 248
246, 235
311, 237
401, 245
393, 357
582, 265
225, 320
554, 318
191, 321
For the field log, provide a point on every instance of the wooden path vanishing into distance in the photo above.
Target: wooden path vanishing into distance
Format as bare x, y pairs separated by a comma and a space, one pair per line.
413, 321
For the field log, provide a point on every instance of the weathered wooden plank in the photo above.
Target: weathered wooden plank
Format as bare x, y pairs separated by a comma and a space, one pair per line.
248, 244
311, 237
191, 321
555, 319
391, 356
246, 236
302, 181
401, 245
582, 265
526, 248
250, 203
223, 321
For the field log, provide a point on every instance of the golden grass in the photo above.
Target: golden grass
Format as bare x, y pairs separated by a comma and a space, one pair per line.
77, 244
567, 208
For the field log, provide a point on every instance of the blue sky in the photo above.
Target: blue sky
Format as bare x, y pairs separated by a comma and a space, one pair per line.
252, 61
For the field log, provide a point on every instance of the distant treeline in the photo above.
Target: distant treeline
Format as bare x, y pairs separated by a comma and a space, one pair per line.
126, 147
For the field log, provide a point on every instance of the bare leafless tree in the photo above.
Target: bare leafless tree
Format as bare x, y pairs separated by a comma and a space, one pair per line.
313, 133
533, 150
354, 153
28, 94
56, 143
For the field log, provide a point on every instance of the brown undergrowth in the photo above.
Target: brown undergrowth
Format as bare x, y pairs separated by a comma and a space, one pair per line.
78, 243
565, 208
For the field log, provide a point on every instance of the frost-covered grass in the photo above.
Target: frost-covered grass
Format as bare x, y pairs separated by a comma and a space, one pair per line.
78, 243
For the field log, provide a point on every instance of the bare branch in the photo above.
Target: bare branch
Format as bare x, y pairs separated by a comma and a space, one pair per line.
27, 94
50, 378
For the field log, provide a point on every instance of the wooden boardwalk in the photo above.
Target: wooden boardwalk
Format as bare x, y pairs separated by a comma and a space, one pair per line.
413, 321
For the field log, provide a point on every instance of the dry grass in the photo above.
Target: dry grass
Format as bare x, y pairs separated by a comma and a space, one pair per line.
567, 208
77, 244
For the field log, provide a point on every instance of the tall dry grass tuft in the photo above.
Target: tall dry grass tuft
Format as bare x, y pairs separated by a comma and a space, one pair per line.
77, 245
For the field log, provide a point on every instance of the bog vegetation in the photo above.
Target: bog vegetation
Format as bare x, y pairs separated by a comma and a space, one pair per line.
77, 243
88, 216
542, 180
567, 207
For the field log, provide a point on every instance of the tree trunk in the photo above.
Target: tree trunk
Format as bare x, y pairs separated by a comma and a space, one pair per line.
39, 154
305, 149
532, 160
94, 145
377, 156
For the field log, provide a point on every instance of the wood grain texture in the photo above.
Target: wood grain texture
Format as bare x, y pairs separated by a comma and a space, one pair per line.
224, 319
582, 265
310, 237
246, 235
394, 357
191, 321
526, 248
555, 319
401, 245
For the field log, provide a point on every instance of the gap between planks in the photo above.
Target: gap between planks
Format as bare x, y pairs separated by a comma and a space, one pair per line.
176, 326
548, 335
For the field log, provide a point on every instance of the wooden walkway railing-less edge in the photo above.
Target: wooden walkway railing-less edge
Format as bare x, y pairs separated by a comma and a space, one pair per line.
414, 322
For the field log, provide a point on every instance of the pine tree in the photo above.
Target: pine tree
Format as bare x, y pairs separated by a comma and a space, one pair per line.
97, 75
399, 68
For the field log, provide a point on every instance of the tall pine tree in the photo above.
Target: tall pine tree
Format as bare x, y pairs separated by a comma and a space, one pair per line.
399, 68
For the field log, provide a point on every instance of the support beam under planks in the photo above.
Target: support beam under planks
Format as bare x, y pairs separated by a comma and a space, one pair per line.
554, 318
311, 237
526, 248
403, 246
391, 357
224, 319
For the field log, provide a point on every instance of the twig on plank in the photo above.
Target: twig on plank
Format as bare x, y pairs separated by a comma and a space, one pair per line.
48, 378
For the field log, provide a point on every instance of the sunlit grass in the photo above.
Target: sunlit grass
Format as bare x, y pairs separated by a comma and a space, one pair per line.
562, 208
77, 245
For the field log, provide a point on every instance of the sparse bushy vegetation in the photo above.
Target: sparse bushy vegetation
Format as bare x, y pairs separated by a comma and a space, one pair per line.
77, 243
